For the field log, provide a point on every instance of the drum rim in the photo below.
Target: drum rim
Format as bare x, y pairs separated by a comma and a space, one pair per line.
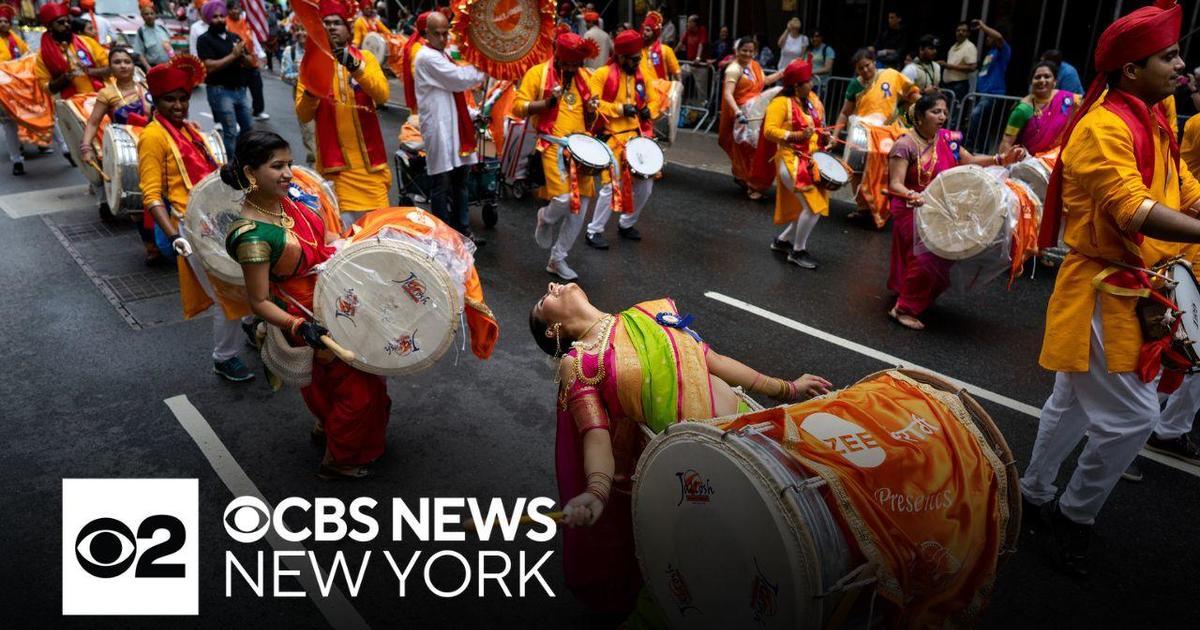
190, 221
765, 480
662, 156
76, 117
590, 139
113, 194
1189, 350
1000, 220
441, 275
832, 158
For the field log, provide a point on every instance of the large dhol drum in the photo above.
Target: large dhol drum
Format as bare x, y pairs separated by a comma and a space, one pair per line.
739, 522
1034, 172
965, 212
122, 187
591, 155
858, 139
396, 298
71, 116
1184, 292
644, 157
377, 45
666, 127
212, 207
755, 110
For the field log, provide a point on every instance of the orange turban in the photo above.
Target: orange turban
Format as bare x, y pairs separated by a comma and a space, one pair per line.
340, 8
50, 12
571, 48
654, 20
87, 5
797, 72
628, 43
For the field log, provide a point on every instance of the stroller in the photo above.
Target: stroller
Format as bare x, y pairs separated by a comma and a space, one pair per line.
415, 187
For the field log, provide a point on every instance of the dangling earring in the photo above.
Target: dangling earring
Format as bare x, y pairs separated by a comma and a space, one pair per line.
557, 329
253, 185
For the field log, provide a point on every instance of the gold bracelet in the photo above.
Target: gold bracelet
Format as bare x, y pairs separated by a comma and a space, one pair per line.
783, 390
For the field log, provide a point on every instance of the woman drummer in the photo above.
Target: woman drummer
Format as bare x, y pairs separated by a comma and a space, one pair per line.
172, 158
643, 366
914, 161
125, 102
793, 124
1038, 120
279, 240
743, 80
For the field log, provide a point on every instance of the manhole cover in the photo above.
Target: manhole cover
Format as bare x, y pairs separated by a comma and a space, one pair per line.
80, 232
142, 285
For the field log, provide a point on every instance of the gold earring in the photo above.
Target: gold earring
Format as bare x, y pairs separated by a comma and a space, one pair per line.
253, 185
557, 328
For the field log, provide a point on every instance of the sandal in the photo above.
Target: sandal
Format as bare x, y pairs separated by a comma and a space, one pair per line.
337, 473
906, 320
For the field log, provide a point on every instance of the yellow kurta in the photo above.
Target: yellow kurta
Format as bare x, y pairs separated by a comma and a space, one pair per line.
359, 185
1189, 149
670, 64
1104, 200
6, 52
364, 25
83, 85
888, 87
164, 180
776, 126
569, 121
622, 127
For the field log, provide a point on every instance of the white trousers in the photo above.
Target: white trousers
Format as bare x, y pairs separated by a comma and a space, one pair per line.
558, 212
1180, 412
12, 141
797, 231
227, 333
641, 194
1116, 411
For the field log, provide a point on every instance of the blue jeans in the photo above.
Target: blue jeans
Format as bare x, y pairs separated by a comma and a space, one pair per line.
230, 108
451, 198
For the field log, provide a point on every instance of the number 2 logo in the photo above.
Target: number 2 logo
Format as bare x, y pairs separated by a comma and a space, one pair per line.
106, 547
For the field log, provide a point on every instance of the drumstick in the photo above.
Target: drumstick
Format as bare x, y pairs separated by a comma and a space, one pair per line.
525, 520
103, 175
345, 355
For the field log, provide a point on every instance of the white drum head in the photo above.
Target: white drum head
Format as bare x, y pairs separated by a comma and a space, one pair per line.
212, 208
831, 168
1187, 298
720, 542
377, 45
70, 122
1034, 172
217, 145
589, 151
963, 213
644, 156
390, 303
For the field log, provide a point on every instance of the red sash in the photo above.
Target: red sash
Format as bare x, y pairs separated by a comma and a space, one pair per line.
466, 129
58, 64
329, 147
613, 83
197, 160
763, 169
658, 60
547, 118
14, 49
406, 61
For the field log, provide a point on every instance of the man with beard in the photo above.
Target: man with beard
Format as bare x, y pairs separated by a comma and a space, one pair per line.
626, 105
657, 58
226, 59
68, 64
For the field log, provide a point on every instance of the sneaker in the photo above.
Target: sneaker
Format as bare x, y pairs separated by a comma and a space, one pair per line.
70, 160
1071, 542
18, 168
630, 233
1179, 448
262, 116
233, 370
1033, 516
560, 269
544, 232
780, 245
46, 150
1133, 473
802, 259
596, 241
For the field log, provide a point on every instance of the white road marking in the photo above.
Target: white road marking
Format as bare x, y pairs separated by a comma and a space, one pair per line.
206, 115
884, 357
335, 608
47, 201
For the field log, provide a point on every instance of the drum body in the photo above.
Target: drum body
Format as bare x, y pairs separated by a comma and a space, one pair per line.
858, 140
1034, 172
122, 189
644, 156
377, 45
965, 212
590, 154
834, 173
392, 302
1186, 295
755, 110
71, 120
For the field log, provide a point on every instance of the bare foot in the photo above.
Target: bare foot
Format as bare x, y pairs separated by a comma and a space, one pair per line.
906, 320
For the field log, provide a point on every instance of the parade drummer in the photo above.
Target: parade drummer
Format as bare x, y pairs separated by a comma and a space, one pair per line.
916, 159
368, 22
657, 58
557, 99
173, 157
68, 64
628, 110
742, 80
643, 366
1036, 123
12, 46
794, 126
447, 127
408, 57
1118, 181
278, 241
350, 147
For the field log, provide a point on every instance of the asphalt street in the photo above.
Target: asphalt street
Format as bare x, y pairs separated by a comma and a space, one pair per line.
96, 343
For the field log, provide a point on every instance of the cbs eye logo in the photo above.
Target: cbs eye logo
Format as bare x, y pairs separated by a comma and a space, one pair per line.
107, 548
247, 519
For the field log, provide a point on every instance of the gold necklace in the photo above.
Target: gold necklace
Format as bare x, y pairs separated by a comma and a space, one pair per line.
607, 320
284, 221
602, 343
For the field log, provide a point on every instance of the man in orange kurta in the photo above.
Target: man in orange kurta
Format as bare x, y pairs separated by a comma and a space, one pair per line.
1119, 180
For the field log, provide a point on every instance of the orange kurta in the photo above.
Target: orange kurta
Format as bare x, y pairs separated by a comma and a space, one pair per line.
6, 48
1104, 205
750, 82
776, 126
570, 120
83, 84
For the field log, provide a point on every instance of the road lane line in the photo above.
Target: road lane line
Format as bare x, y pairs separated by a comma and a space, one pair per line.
336, 609
892, 360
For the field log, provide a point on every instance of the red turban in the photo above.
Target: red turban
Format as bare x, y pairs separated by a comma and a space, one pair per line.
1138, 35
164, 79
797, 72
50, 12
591, 16
448, 12
422, 21
628, 43
366, 4
340, 8
7, 11
571, 48
654, 20
87, 5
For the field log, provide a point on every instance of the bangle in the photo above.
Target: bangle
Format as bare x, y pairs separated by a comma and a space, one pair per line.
754, 383
792, 393
783, 389
296, 321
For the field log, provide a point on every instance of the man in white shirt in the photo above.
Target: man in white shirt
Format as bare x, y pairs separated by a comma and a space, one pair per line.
961, 61
198, 28
446, 124
604, 43
923, 71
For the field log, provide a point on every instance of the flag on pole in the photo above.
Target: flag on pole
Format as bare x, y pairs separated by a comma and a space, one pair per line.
256, 14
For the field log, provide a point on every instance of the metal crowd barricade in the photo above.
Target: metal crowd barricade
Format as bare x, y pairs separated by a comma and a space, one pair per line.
700, 82
951, 103
982, 119
833, 94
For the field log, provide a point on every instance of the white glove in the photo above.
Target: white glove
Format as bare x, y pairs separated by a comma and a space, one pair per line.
181, 246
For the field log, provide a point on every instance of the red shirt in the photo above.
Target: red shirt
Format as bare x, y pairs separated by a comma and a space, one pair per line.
693, 40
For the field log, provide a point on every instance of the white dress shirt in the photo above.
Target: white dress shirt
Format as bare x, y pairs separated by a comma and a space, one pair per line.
436, 78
